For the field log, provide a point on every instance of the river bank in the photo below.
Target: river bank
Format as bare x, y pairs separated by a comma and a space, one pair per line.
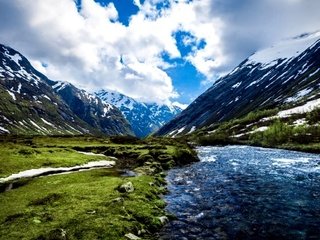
105, 203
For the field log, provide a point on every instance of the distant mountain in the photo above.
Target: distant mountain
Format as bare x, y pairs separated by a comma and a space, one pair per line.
33, 104
284, 76
91, 109
145, 118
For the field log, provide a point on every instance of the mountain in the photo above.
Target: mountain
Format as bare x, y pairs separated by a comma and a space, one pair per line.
283, 76
91, 109
145, 118
33, 104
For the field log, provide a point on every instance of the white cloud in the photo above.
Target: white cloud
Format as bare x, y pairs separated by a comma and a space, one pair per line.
180, 105
92, 49
85, 47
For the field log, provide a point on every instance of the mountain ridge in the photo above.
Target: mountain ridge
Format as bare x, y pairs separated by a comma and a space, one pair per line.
31, 106
255, 85
145, 118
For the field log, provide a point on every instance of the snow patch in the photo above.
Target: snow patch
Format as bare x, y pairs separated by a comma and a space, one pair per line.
45, 96
2, 129
60, 86
300, 122
299, 95
314, 73
236, 85
251, 84
286, 49
37, 126
42, 171
106, 109
234, 70
192, 129
16, 58
48, 123
12, 95
308, 107
260, 129
92, 154
174, 133
19, 88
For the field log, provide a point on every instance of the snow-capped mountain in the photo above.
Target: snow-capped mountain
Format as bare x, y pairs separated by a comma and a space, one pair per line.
91, 109
284, 76
144, 118
30, 103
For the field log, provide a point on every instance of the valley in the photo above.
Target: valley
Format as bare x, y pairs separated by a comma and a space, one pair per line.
175, 135
97, 203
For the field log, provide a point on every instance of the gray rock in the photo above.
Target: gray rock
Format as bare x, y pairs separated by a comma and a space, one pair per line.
118, 199
126, 187
131, 236
163, 219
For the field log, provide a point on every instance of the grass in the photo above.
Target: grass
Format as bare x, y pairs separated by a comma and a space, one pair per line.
83, 205
18, 157
86, 205
281, 132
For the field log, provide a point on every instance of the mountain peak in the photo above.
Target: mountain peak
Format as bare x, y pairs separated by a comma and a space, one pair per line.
284, 75
145, 118
33, 104
286, 49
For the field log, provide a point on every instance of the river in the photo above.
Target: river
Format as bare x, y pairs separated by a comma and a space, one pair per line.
242, 192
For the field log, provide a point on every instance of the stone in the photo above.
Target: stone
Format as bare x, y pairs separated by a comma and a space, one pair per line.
126, 187
163, 219
131, 236
118, 199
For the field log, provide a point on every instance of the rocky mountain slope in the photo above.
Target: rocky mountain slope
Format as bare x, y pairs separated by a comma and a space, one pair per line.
91, 109
283, 76
145, 118
33, 104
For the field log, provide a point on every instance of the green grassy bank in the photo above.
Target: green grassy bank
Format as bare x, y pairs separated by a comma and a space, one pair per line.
95, 204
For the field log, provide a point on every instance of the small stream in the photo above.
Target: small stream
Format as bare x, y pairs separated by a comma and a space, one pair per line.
242, 192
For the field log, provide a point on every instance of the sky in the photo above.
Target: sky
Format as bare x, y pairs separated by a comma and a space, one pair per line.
164, 51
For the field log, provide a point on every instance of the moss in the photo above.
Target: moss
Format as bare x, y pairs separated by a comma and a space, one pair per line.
143, 158
86, 205
164, 158
47, 200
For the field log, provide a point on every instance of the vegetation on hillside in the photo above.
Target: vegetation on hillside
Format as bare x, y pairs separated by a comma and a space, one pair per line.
264, 128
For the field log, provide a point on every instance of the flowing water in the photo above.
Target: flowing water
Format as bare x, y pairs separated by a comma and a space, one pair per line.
241, 192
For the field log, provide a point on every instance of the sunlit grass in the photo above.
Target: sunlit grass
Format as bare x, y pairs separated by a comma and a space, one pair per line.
84, 205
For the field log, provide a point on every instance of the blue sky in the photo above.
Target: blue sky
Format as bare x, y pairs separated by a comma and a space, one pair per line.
125, 8
164, 51
187, 81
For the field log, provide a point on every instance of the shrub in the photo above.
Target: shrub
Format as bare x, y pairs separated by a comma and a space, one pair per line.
26, 151
214, 139
277, 133
313, 117
145, 158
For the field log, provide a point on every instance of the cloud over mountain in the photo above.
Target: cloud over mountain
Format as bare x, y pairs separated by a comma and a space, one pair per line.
89, 46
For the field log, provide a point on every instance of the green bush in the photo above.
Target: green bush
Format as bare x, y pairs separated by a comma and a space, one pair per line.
145, 158
313, 117
277, 133
215, 139
26, 151
184, 156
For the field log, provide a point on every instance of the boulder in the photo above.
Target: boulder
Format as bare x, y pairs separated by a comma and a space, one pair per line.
126, 188
131, 236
